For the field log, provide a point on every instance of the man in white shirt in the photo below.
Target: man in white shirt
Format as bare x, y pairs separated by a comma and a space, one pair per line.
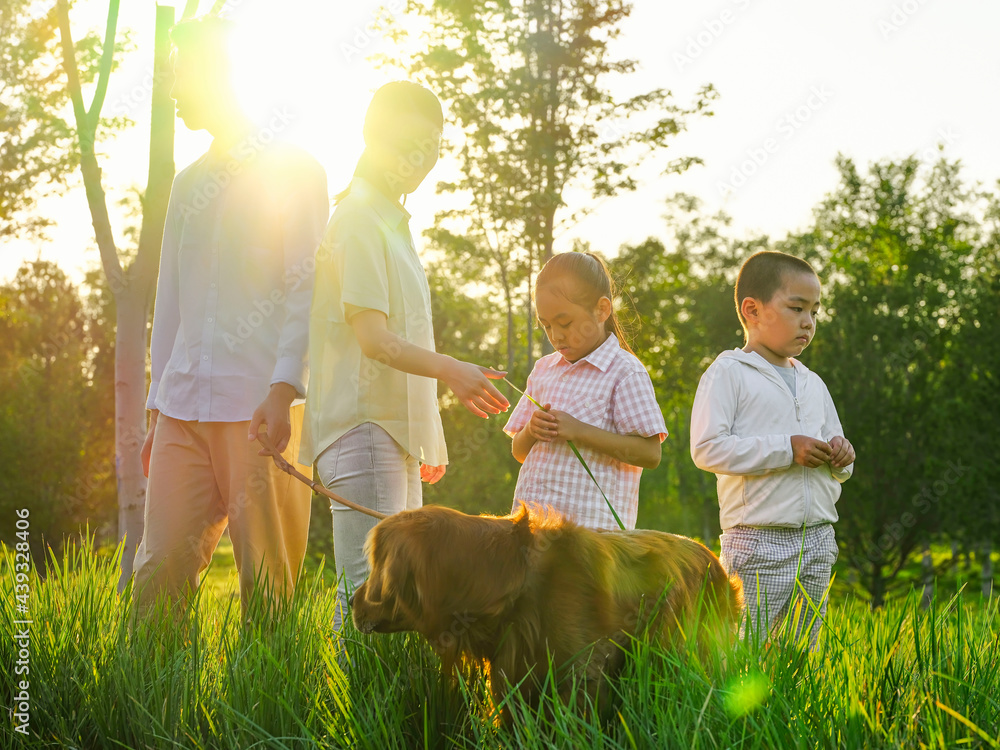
229, 342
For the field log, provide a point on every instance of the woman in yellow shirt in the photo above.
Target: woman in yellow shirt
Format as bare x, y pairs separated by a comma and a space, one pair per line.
372, 424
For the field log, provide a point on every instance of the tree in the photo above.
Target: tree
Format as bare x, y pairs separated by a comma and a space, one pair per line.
525, 83
132, 285
482, 473
36, 153
895, 253
55, 434
682, 317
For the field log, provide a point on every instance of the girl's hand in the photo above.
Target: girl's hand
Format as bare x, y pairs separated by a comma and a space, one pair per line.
471, 384
548, 425
432, 474
542, 425
843, 452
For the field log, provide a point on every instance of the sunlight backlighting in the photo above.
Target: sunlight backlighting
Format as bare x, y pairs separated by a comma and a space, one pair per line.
301, 71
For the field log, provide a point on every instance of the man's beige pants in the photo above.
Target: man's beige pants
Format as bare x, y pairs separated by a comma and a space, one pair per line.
203, 475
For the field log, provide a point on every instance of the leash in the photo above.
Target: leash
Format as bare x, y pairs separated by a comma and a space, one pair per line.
282, 463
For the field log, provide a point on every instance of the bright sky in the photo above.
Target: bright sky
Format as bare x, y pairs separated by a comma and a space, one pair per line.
799, 82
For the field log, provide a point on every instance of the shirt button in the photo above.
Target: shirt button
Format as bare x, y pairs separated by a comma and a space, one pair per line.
205, 357
213, 285
209, 320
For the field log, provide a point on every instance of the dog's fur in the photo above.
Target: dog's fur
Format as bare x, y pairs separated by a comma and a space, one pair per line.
508, 593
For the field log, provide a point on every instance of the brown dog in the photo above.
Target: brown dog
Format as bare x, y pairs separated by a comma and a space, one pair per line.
508, 593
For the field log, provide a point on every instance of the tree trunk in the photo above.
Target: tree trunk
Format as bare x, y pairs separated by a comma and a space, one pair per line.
531, 320
877, 586
131, 287
987, 552
130, 423
927, 576
134, 303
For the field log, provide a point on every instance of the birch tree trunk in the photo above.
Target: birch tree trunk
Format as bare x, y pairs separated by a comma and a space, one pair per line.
132, 287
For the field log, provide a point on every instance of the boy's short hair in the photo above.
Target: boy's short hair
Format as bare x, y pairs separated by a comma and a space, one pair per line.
762, 274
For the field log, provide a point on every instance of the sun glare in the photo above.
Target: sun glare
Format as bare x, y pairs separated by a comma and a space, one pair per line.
301, 72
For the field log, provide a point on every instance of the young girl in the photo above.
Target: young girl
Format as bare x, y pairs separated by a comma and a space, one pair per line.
595, 393
372, 425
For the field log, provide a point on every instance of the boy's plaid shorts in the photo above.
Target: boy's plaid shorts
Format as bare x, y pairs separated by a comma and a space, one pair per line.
785, 575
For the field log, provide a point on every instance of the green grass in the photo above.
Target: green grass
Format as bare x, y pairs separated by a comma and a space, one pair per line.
899, 677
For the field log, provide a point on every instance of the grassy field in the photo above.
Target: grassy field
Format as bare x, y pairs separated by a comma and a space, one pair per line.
900, 677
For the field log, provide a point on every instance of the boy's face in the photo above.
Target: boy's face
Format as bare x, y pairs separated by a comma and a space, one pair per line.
785, 325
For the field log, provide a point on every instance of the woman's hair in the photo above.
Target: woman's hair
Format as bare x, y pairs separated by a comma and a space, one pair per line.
593, 281
391, 105
390, 113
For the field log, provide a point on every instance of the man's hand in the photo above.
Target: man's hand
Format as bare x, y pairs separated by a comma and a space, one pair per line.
843, 452
810, 452
272, 417
432, 474
147, 444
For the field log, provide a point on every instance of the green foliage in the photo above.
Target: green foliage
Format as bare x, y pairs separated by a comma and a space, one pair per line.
37, 149
526, 86
56, 408
907, 268
898, 677
677, 305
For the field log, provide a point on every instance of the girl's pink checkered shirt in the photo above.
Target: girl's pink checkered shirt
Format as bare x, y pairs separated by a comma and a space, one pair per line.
609, 389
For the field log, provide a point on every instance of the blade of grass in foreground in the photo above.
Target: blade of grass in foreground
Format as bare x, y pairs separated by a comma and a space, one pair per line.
576, 453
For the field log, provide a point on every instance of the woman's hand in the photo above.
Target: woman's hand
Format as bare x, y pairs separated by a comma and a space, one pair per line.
471, 384
432, 474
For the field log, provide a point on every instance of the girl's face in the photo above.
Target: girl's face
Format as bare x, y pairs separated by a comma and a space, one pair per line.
573, 330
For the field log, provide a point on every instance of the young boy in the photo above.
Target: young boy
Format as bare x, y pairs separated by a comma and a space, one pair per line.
767, 427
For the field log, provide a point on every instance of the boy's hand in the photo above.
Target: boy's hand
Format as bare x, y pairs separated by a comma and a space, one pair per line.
843, 452
547, 425
810, 452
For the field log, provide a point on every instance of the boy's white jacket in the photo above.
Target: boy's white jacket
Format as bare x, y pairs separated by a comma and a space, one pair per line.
742, 423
